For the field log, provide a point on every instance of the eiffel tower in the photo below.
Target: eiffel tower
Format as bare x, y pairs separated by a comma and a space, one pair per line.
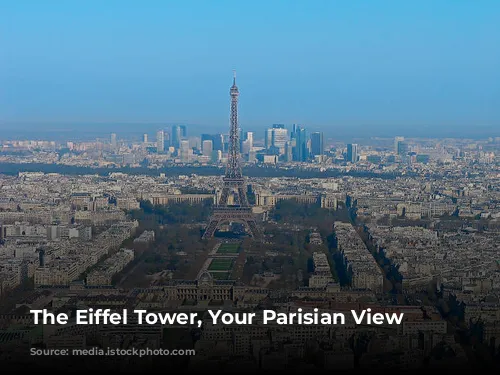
234, 181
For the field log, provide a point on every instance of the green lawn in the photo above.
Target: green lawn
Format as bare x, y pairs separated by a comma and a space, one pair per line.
220, 275
220, 265
228, 248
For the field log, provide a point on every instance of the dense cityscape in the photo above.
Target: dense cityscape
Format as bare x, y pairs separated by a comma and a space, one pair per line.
283, 146
394, 225
339, 213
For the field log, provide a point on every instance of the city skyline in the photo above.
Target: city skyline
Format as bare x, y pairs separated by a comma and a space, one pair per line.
91, 131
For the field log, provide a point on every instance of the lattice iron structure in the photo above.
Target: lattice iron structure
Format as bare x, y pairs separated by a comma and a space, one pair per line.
233, 181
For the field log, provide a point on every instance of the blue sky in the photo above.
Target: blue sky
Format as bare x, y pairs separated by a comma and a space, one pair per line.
331, 65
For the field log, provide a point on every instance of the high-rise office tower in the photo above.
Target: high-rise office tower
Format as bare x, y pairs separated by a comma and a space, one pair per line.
184, 150
300, 150
245, 147
396, 143
268, 139
317, 144
247, 143
275, 138
217, 140
166, 140
113, 140
176, 136
207, 147
289, 150
352, 153
194, 142
279, 137
248, 136
403, 148
216, 156
178, 133
160, 141
225, 142
206, 137
145, 138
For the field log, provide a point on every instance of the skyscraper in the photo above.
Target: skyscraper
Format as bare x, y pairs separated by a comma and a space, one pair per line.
184, 150
396, 143
403, 148
207, 147
275, 138
166, 140
289, 150
160, 141
217, 140
352, 153
268, 139
216, 156
206, 137
279, 137
248, 136
113, 140
317, 144
247, 143
194, 142
176, 136
183, 131
300, 149
145, 138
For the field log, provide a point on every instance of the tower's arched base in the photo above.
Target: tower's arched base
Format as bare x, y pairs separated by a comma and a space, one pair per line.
223, 215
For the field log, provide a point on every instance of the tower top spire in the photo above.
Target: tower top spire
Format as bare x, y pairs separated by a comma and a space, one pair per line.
234, 89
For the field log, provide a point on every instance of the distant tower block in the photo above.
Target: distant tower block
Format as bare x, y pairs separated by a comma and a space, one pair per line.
234, 181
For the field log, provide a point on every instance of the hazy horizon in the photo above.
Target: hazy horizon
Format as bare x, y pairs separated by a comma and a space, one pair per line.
91, 131
377, 69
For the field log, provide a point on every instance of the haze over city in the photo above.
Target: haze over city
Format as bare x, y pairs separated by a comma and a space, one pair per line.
425, 69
